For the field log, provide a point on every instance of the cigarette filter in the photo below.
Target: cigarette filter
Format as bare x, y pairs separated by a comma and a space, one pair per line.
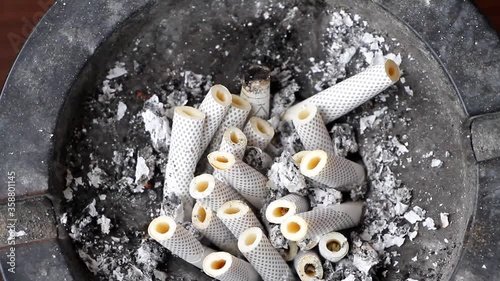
226, 267
285, 207
250, 183
256, 88
215, 106
258, 250
234, 141
308, 266
312, 130
237, 216
333, 246
236, 116
206, 221
319, 221
212, 192
297, 157
345, 96
178, 240
332, 171
259, 132
185, 145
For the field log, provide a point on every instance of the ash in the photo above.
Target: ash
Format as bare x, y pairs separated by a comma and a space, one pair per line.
322, 197
276, 237
117, 156
116, 164
258, 159
284, 176
344, 140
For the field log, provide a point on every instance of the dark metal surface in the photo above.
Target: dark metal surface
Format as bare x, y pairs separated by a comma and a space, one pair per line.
485, 133
481, 255
54, 56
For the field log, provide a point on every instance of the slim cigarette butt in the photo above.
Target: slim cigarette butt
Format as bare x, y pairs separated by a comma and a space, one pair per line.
226, 267
323, 220
345, 96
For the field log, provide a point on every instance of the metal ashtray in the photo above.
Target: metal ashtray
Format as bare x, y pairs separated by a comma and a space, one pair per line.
449, 60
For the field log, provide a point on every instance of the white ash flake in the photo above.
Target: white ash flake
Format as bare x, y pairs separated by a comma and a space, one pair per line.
408, 90
367, 38
64, 218
348, 21
414, 216
76, 229
15, 234
364, 256
141, 171
349, 278
392, 240
413, 234
68, 193
95, 176
105, 224
117, 71
429, 223
108, 90
428, 154
91, 209
366, 122
276, 237
69, 177
371, 120
444, 220
284, 175
344, 139
436, 163
401, 148
400, 208
322, 197
156, 123
120, 112
78, 181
